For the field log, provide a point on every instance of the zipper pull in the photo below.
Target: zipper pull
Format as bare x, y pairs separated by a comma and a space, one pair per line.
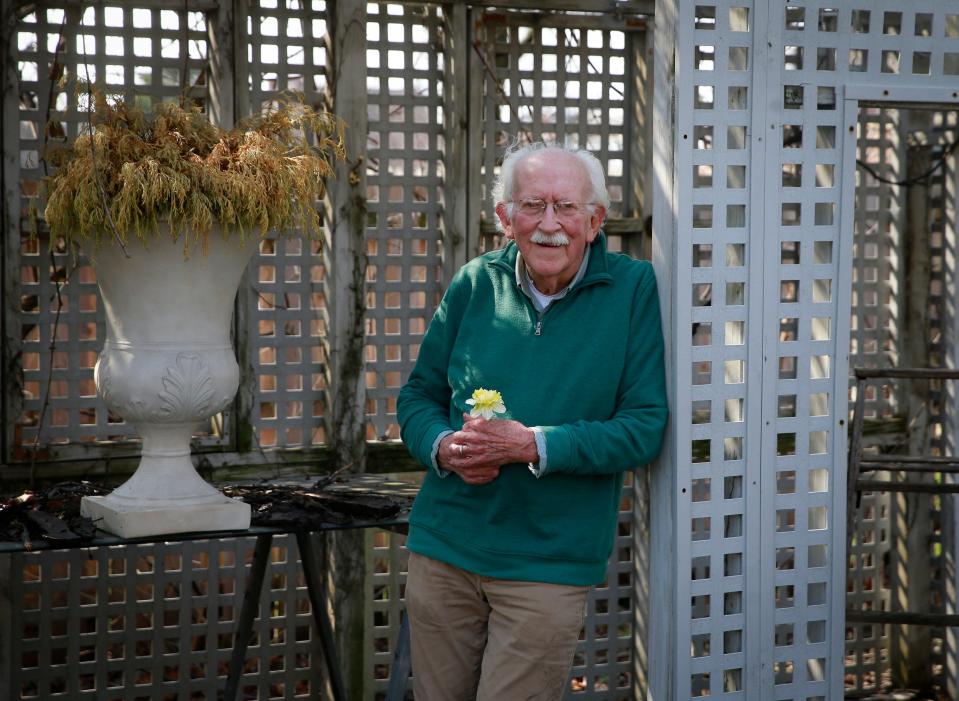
539, 327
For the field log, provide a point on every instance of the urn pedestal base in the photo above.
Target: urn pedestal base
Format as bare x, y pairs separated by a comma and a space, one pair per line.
165, 494
140, 519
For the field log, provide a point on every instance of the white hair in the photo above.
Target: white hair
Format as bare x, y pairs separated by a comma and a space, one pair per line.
504, 186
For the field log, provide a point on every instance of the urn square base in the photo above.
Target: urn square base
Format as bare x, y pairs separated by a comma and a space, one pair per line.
140, 519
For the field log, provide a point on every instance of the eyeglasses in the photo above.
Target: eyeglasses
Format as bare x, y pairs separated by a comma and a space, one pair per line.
564, 209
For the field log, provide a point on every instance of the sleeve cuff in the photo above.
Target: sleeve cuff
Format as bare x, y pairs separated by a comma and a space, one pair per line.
435, 451
538, 468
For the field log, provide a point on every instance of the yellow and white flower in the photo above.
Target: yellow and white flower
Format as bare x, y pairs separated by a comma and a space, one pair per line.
486, 403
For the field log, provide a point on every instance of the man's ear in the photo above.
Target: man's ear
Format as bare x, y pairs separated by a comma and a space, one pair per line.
596, 222
504, 219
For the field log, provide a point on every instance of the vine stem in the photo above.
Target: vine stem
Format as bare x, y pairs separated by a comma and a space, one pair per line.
54, 75
46, 392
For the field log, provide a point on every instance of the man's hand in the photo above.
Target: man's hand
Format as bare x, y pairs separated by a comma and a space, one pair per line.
453, 456
477, 451
498, 441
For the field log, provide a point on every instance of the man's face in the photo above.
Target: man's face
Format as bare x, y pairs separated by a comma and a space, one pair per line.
552, 243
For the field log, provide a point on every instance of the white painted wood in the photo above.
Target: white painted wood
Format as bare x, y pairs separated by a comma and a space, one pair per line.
873, 218
666, 602
460, 87
764, 127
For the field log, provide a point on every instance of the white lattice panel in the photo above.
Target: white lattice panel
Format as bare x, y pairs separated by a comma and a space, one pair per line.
559, 82
406, 160
155, 622
880, 575
765, 188
603, 665
286, 52
875, 336
714, 174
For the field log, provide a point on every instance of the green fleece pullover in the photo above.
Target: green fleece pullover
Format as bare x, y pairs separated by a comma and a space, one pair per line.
590, 375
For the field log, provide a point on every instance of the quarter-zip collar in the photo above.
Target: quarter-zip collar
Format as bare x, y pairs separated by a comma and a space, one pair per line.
525, 282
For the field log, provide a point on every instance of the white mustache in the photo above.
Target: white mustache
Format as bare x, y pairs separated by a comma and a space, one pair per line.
557, 239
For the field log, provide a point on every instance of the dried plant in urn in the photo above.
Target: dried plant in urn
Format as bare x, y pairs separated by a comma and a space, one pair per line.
137, 173
170, 208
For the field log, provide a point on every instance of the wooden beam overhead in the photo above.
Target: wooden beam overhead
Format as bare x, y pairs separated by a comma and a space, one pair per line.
624, 7
594, 7
27, 7
566, 20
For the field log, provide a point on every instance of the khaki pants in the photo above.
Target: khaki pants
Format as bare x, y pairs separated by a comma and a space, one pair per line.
474, 637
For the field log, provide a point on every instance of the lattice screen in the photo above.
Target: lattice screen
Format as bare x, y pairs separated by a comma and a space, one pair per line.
880, 294
713, 537
405, 177
764, 189
875, 338
155, 621
553, 80
142, 53
603, 666
286, 52
404, 226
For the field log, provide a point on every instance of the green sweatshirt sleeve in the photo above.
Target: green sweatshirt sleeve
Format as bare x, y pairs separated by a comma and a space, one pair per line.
423, 406
633, 435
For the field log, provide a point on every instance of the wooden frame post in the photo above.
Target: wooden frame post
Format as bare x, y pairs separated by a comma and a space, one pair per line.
11, 376
346, 256
663, 572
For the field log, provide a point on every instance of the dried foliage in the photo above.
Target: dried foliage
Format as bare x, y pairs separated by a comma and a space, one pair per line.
51, 516
136, 170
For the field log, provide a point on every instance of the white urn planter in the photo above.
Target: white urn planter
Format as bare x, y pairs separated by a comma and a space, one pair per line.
167, 364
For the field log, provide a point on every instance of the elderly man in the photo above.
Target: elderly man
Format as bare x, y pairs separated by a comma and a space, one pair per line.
517, 514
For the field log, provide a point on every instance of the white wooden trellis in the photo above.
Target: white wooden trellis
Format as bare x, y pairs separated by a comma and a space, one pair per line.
154, 621
879, 293
874, 342
569, 80
406, 225
287, 308
795, 66
745, 247
284, 308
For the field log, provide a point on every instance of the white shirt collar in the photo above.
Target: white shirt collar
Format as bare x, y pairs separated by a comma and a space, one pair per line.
542, 301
